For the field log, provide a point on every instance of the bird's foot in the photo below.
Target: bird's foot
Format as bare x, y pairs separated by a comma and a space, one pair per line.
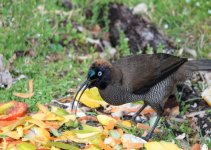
133, 119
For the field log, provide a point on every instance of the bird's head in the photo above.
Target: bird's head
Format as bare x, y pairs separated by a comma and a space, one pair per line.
99, 75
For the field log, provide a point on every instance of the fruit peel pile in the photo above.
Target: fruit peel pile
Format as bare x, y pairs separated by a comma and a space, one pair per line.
55, 128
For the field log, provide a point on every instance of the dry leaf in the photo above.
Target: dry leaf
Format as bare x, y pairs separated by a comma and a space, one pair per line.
129, 108
37, 127
173, 111
26, 95
30, 86
104, 146
23, 95
96, 30
104, 119
111, 125
86, 118
146, 127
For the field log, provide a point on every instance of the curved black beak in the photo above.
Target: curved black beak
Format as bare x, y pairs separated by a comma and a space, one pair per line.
83, 87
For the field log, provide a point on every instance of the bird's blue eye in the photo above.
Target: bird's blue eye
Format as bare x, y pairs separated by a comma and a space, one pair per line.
99, 73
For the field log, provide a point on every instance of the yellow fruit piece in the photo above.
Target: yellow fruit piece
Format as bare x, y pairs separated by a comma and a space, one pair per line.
91, 128
91, 98
44, 134
27, 127
20, 122
87, 132
126, 124
161, 146
13, 134
20, 130
42, 108
47, 116
37, 122
85, 135
80, 137
67, 135
104, 119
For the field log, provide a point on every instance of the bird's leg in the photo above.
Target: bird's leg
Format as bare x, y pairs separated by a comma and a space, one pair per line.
138, 112
148, 136
159, 110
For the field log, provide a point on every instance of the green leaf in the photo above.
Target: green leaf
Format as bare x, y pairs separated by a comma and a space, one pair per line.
3, 135
25, 146
54, 132
59, 111
71, 123
62, 145
87, 131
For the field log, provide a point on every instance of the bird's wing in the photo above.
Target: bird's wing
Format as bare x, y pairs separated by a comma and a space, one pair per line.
141, 72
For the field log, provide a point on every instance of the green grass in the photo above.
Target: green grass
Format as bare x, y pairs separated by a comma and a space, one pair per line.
37, 25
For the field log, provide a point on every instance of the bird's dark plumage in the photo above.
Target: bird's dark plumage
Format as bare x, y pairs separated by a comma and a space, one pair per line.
141, 72
151, 78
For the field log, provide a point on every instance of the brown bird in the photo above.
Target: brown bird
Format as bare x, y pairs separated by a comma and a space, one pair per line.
151, 78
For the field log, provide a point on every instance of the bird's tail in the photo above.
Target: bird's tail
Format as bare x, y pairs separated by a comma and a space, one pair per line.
201, 64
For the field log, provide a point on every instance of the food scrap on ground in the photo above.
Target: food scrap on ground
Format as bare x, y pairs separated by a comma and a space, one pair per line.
26, 95
53, 127
56, 128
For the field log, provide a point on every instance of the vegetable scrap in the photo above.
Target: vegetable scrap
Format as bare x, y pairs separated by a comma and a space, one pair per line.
55, 128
